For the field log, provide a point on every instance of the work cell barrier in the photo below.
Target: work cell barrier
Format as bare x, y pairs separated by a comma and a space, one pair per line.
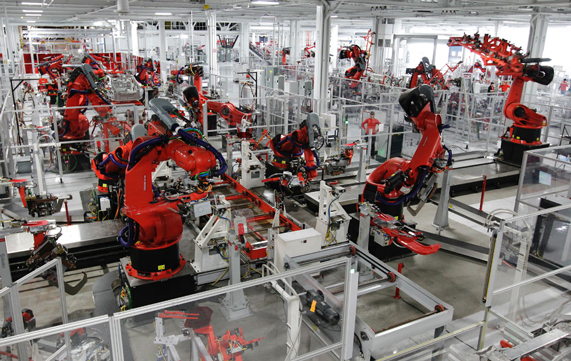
258, 317
544, 179
528, 275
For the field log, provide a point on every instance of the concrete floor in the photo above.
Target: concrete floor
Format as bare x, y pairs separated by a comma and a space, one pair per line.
455, 279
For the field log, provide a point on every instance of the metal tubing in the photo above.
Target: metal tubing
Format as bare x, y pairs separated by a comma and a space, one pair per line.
493, 264
18, 321
534, 279
56, 354
321, 351
483, 192
242, 285
400, 355
349, 310
116, 339
63, 301
397, 291
37, 271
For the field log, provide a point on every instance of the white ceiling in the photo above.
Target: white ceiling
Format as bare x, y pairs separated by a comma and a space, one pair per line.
475, 12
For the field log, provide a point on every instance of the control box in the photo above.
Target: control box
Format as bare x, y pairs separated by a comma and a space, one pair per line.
296, 243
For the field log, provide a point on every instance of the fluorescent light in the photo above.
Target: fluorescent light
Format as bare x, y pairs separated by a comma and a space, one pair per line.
32, 15
31, 21
164, 14
98, 23
265, 2
32, 4
334, 16
33, 11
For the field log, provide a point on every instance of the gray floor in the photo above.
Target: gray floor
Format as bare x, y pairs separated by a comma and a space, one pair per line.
455, 279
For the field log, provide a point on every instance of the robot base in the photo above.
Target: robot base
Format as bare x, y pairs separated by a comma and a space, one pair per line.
146, 292
513, 152
76, 161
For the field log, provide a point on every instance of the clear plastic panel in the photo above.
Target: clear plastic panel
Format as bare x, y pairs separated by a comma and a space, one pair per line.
393, 136
87, 342
532, 272
251, 322
455, 342
544, 179
476, 120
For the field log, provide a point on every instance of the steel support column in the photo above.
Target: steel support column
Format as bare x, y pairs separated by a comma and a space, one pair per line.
294, 42
397, 29
377, 51
126, 31
441, 216
8, 38
163, 51
134, 39
323, 41
5, 275
191, 37
244, 42
395, 57
211, 53
535, 45
333, 45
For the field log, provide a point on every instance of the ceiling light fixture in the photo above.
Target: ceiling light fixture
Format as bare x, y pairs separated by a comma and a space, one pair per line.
32, 15
32, 4
334, 16
33, 11
31, 21
163, 14
265, 2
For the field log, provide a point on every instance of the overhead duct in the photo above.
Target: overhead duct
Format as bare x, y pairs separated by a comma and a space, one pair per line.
122, 6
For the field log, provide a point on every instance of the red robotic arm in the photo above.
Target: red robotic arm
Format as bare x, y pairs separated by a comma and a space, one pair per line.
510, 61
294, 145
477, 65
398, 181
82, 89
52, 67
359, 56
429, 74
398, 173
295, 159
229, 112
307, 53
147, 74
195, 99
285, 52
155, 225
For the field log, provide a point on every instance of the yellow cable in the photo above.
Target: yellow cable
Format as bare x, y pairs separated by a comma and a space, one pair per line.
227, 268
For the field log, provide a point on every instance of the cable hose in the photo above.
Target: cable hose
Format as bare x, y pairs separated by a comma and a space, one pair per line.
405, 197
207, 146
